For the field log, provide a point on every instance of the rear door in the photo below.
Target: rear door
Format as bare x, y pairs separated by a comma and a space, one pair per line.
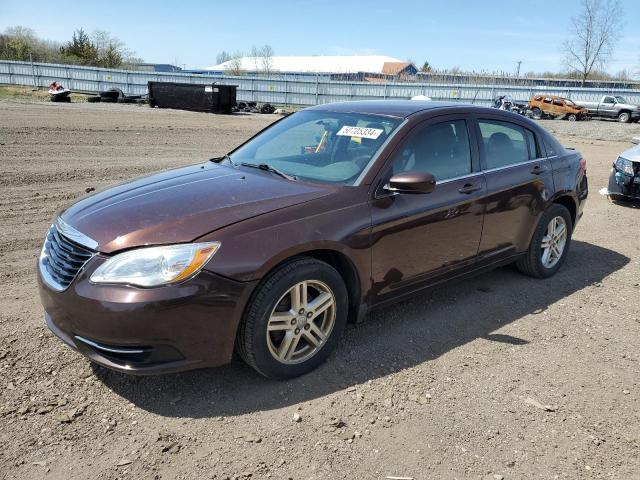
519, 183
418, 237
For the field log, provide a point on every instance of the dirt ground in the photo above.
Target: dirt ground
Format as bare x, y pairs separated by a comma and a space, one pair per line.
497, 377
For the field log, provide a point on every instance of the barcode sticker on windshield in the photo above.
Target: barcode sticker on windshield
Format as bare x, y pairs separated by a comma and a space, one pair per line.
361, 132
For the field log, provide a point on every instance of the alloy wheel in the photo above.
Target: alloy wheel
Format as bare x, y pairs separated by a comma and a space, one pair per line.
301, 322
554, 242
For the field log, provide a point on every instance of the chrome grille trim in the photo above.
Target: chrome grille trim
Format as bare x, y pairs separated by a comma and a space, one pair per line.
62, 258
74, 235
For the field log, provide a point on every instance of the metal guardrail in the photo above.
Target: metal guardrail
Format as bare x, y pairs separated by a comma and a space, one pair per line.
281, 90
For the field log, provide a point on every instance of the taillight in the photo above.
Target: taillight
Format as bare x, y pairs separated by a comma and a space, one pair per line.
583, 165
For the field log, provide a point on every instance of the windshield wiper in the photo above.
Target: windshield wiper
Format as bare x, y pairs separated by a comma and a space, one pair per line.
268, 168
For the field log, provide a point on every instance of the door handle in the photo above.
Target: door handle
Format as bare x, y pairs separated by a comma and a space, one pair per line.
468, 188
537, 169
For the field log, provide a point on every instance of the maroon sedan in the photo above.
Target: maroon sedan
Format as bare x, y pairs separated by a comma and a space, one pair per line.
318, 219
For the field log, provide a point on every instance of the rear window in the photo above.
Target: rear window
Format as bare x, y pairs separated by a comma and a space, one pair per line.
532, 144
504, 143
552, 146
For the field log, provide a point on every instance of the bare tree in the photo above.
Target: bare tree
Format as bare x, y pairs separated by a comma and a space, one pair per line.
594, 35
255, 57
235, 64
266, 58
223, 56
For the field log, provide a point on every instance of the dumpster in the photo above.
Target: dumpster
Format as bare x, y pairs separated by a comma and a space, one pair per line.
213, 98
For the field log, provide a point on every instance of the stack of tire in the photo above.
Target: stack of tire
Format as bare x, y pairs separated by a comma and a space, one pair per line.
115, 95
252, 107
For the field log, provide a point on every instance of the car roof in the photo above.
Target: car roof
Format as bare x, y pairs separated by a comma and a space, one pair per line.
406, 108
392, 108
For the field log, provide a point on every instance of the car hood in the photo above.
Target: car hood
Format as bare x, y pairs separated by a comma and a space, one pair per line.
182, 205
632, 154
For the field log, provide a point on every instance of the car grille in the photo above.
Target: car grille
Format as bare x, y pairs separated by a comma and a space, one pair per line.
62, 259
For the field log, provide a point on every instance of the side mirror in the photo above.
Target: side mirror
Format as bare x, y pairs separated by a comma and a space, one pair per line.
411, 182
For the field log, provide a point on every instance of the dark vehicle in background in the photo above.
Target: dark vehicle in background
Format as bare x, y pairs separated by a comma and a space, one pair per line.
613, 106
552, 106
505, 102
624, 181
322, 217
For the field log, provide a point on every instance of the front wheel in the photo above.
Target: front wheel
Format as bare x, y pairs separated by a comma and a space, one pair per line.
294, 320
624, 117
572, 117
549, 244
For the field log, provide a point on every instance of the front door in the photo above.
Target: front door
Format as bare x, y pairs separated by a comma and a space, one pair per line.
417, 237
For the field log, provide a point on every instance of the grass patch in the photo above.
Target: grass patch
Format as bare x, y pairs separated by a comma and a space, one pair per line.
39, 95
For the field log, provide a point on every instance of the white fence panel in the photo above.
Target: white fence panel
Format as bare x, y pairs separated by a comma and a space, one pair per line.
281, 89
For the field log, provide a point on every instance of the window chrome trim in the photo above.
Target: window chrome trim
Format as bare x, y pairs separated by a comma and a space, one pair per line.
461, 177
490, 170
74, 235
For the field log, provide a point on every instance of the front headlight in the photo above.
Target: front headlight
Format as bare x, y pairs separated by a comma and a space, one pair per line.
155, 266
624, 165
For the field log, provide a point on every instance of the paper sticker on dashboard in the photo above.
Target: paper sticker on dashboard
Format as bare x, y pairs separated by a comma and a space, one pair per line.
362, 132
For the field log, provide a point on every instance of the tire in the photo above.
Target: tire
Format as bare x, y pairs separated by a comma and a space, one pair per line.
537, 114
572, 117
260, 348
532, 262
114, 93
624, 117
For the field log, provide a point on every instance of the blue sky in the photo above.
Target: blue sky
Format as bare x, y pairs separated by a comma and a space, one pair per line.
482, 35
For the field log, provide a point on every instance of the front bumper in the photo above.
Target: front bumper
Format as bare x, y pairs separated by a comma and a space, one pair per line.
148, 331
623, 184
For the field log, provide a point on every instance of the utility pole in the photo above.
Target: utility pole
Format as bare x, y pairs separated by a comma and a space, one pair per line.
519, 62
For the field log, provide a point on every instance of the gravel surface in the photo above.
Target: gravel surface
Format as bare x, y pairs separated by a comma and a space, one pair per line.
497, 377
592, 130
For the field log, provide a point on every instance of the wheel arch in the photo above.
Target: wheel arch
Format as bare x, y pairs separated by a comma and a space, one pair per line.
569, 203
624, 110
338, 259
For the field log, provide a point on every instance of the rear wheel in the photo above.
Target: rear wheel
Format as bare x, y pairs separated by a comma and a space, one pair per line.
549, 244
294, 319
537, 113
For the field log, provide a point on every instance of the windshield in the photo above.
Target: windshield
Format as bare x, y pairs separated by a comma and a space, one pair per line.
569, 102
620, 99
320, 146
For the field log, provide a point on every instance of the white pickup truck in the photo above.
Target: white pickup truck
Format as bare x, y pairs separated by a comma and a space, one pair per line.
613, 106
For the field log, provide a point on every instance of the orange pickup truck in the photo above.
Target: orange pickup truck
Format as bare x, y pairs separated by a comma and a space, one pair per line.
552, 106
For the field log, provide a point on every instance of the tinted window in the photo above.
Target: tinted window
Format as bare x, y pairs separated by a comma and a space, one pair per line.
531, 143
552, 146
441, 149
504, 143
